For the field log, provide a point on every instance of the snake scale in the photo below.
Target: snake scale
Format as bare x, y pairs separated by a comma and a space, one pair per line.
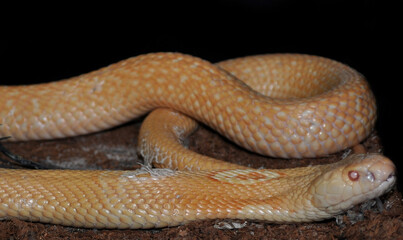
287, 105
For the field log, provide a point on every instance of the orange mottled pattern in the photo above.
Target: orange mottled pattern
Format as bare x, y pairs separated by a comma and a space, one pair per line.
323, 106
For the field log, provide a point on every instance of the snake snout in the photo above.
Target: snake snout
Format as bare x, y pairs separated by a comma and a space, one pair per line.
382, 170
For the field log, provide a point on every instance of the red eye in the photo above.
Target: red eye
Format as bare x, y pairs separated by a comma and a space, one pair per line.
353, 175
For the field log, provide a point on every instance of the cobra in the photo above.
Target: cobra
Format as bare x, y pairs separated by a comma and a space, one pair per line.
287, 105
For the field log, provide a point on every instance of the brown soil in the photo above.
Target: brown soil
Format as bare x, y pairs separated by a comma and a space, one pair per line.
115, 149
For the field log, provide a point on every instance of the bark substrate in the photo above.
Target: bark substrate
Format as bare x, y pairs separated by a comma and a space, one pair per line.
116, 149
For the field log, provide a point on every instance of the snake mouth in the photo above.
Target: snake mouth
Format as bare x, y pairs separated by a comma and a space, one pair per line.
391, 176
390, 180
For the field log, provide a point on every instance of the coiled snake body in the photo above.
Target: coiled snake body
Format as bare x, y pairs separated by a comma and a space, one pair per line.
300, 106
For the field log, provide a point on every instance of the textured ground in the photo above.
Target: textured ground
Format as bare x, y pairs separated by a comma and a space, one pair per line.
115, 149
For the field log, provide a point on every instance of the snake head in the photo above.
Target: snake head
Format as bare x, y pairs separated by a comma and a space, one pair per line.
354, 180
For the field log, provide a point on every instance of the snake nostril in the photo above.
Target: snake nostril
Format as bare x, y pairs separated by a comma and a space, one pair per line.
371, 177
353, 175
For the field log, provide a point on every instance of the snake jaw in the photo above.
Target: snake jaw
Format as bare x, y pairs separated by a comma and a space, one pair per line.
352, 181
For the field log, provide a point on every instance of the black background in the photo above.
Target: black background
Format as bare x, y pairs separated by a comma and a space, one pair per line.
49, 42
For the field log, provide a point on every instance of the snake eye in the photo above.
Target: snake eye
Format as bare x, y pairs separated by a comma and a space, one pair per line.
353, 175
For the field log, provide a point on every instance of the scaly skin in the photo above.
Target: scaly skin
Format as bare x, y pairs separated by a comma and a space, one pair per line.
160, 198
316, 107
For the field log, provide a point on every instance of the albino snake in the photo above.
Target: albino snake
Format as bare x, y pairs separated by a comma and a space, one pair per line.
315, 107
